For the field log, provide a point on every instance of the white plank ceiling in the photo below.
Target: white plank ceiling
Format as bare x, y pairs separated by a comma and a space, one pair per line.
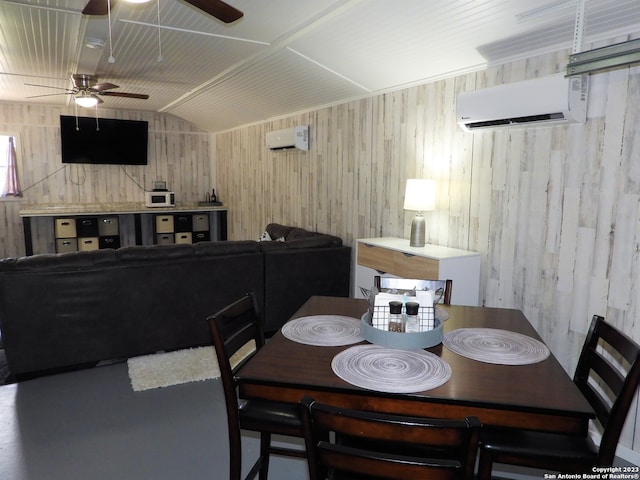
282, 56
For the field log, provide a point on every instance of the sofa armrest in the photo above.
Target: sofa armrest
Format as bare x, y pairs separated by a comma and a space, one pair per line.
292, 276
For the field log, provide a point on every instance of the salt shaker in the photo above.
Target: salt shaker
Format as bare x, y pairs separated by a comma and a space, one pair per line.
412, 322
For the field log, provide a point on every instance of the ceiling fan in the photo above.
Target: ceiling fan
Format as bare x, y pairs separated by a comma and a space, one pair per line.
216, 8
87, 91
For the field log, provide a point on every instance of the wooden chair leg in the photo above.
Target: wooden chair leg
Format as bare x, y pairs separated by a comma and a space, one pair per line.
265, 445
235, 460
485, 465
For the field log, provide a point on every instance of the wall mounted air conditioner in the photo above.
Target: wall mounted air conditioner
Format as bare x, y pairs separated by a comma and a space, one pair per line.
546, 100
296, 137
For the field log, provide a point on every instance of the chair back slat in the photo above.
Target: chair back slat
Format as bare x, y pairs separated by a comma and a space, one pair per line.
387, 446
393, 467
608, 382
233, 327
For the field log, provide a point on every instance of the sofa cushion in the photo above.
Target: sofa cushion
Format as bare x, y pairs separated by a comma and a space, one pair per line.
150, 252
295, 238
65, 261
226, 247
298, 233
316, 241
275, 230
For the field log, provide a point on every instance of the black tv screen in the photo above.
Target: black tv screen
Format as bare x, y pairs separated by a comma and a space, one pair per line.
118, 142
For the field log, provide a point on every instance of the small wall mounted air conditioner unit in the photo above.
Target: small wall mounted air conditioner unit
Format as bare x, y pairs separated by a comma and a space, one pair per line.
296, 137
546, 100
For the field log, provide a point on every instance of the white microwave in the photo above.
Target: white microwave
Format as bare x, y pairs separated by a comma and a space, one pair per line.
160, 199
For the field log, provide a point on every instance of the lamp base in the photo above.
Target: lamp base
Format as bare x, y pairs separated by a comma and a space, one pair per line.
418, 231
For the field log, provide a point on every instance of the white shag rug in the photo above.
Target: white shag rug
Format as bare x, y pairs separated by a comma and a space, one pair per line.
182, 366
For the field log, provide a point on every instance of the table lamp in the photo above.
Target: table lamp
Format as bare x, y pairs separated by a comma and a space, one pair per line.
420, 195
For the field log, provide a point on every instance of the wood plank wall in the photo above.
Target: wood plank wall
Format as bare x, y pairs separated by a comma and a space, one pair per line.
553, 210
179, 153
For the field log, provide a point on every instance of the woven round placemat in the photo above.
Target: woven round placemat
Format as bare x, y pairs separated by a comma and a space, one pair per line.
390, 370
323, 330
492, 345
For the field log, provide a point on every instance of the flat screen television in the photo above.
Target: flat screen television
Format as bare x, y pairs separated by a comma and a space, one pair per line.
117, 142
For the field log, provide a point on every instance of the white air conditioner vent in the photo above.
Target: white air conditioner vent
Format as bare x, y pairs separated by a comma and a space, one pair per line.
546, 100
296, 137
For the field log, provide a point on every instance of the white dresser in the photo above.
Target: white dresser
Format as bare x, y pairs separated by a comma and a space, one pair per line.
394, 257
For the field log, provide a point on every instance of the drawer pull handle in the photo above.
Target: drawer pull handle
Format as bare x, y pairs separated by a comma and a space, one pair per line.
408, 254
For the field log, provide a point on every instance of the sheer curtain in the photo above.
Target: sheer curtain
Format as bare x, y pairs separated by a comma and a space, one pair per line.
10, 185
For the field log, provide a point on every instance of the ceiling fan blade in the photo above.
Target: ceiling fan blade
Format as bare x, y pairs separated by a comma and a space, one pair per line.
217, 8
124, 94
47, 86
49, 95
100, 87
98, 7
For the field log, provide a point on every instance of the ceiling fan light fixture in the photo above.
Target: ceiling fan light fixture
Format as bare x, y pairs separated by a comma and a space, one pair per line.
86, 100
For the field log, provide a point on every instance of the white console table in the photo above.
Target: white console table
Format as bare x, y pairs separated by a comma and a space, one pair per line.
393, 256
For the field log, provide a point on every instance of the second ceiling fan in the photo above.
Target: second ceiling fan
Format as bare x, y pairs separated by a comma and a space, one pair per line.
216, 8
86, 90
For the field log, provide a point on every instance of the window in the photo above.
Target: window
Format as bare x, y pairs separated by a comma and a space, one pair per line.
9, 185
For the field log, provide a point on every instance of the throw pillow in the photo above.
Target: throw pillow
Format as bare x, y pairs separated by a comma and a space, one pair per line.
265, 237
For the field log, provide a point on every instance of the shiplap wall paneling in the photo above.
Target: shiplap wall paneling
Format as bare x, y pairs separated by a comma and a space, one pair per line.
541, 205
178, 151
553, 211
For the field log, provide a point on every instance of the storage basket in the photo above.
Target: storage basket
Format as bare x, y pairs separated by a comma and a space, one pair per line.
374, 325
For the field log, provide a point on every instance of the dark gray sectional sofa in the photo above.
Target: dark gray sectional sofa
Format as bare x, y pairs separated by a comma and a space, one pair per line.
63, 310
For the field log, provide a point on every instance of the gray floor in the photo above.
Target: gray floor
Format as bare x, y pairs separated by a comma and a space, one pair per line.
90, 425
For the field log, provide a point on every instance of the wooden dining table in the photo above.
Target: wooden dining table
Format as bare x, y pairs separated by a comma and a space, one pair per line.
539, 396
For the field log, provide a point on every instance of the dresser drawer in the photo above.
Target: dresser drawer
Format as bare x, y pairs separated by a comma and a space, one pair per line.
397, 263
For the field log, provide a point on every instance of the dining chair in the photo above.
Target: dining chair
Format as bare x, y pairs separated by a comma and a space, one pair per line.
442, 288
608, 374
233, 328
355, 444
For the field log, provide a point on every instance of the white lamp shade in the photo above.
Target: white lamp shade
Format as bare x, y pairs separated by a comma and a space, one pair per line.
86, 100
420, 195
